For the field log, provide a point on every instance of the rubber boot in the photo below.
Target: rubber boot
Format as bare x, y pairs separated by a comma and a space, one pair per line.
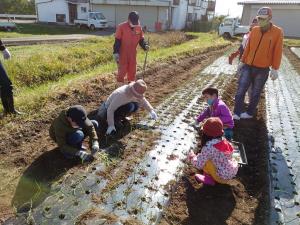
205, 179
11, 106
5, 105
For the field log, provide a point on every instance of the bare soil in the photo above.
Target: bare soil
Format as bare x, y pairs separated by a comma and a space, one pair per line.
29, 157
294, 60
244, 199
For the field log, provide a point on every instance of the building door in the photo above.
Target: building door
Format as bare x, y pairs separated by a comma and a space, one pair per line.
72, 12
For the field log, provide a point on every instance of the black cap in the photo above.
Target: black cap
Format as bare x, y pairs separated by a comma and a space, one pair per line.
78, 114
134, 17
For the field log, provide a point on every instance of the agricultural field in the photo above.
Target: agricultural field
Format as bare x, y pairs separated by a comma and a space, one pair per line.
141, 176
33, 29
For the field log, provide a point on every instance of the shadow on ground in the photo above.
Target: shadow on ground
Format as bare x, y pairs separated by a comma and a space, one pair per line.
34, 184
203, 204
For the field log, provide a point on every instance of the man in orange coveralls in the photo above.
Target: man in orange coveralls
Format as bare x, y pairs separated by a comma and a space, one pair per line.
264, 50
128, 35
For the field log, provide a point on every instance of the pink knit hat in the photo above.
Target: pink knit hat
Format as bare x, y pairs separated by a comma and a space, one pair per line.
213, 127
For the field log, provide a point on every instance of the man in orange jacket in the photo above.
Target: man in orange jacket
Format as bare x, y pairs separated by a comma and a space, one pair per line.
264, 50
128, 35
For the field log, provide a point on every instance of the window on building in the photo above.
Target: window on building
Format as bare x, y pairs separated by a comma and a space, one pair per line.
190, 17
60, 18
176, 2
192, 2
83, 9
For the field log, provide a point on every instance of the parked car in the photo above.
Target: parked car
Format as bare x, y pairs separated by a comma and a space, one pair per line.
7, 26
93, 21
231, 27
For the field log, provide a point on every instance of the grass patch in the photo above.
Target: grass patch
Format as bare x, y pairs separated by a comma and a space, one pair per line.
34, 98
37, 64
291, 42
30, 29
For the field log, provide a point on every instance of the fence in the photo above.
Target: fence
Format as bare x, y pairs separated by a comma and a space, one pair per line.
16, 16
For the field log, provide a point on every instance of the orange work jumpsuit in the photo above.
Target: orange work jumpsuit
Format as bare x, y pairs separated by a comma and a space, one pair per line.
129, 40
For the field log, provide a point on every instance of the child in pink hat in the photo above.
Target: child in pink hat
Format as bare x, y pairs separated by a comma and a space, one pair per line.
215, 158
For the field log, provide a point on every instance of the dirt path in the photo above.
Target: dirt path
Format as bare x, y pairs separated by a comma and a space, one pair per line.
25, 143
294, 59
142, 194
144, 191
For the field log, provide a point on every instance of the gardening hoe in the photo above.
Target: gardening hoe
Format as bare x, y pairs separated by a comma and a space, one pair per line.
145, 61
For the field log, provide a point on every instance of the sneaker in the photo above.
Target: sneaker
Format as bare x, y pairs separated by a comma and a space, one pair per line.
246, 116
205, 179
236, 117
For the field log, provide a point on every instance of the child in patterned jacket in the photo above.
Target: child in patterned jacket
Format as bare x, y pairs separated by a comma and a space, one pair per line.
215, 158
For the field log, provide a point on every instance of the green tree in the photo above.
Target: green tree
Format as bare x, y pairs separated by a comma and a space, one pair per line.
17, 6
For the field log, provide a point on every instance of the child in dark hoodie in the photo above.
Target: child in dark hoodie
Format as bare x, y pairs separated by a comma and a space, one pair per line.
70, 128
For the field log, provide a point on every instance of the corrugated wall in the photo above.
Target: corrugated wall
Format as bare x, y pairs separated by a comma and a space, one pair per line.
116, 14
285, 16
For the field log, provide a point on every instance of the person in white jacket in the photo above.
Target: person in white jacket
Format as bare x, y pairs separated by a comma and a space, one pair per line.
122, 102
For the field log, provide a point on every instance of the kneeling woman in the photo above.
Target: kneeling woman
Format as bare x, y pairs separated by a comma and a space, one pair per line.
215, 158
122, 103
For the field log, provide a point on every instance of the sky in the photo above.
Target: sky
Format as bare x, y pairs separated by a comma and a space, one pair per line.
231, 6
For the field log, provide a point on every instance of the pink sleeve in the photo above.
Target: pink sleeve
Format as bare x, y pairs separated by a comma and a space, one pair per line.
202, 157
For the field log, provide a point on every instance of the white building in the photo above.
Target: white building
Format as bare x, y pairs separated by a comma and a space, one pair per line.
286, 14
154, 14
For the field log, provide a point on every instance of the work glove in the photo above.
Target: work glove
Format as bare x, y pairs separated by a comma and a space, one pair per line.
84, 156
147, 47
6, 54
153, 115
95, 147
191, 156
110, 130
116, 57
274, 74
239, 68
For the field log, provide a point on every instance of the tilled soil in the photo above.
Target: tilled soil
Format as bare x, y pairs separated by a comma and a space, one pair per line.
27, 151
244, 199
295, 61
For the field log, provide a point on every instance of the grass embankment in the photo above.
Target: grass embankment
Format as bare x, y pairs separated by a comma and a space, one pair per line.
291, 42
40, 71
31, 29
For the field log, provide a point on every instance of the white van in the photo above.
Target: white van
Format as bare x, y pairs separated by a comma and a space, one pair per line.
231, 27
94, 20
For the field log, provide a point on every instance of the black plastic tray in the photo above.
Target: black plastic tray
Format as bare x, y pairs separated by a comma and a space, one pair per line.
239, 149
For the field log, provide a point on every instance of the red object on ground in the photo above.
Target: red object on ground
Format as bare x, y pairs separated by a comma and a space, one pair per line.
158, 26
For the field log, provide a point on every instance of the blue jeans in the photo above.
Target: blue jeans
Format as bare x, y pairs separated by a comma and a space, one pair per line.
5, 83
120, 113
228, 133
76, 138
125, 110
250, 75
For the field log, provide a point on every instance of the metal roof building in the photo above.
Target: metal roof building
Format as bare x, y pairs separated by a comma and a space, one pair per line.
286, 14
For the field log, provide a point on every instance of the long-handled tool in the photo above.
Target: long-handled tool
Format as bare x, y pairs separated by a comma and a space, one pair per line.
145, 60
